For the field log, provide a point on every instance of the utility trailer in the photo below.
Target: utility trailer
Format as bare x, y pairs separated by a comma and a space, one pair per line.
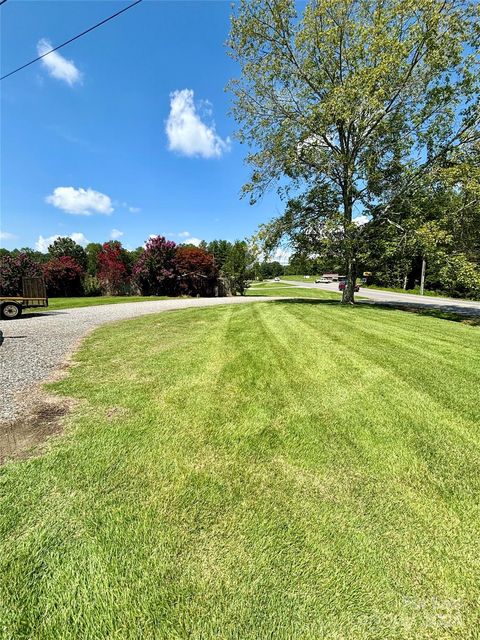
34, 295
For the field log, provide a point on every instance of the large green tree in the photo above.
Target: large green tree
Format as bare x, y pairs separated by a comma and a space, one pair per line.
93, 250
220, 250
439, 224
235, 266
361, 96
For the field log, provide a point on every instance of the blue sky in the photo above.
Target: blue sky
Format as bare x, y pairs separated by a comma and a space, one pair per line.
126, 132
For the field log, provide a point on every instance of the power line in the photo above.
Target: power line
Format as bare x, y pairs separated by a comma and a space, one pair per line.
99, 24
2, 2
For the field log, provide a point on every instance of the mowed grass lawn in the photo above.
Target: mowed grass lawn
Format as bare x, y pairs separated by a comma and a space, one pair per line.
292, 291
415, 291
278, 470
55, 304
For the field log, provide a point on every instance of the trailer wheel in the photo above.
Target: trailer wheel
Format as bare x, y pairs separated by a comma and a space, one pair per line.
10, 311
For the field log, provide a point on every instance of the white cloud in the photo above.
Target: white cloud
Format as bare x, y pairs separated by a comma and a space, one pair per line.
192, 240
361, 220
128, 207
184, 237
115, 234
42, 243
282, 255
58, 66
79, 238
187, 238
186, 132
80, 201
5, 235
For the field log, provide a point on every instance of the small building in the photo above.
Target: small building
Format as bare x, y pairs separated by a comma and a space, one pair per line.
332, 277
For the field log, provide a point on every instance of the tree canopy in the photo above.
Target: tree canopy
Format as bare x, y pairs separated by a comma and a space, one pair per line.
360, 97
66, 247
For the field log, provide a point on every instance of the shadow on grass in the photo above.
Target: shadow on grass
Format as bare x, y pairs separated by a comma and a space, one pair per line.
453, 314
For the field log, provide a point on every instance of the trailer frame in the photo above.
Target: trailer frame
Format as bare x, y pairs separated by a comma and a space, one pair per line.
34, 296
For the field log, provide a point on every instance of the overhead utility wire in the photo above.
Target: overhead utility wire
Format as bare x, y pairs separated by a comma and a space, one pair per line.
99, 24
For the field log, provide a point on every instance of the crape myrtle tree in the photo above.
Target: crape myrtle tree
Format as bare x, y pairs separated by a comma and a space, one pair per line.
12, 269
361, 97
154, 272
195, 270
63, 276
113, 272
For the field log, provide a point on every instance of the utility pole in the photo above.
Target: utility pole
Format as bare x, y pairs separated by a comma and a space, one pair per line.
422, 277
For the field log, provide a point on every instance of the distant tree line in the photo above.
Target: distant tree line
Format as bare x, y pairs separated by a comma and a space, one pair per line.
160, 267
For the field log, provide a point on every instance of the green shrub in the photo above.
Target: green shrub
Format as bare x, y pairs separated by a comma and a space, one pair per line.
92, 286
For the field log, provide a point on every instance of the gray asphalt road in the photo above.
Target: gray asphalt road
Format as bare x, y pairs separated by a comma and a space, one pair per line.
36, 345
467, 307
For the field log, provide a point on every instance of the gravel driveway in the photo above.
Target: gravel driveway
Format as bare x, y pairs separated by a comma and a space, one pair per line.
37, 344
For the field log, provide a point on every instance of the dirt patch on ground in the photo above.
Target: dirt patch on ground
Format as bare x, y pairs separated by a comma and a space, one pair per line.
25, 435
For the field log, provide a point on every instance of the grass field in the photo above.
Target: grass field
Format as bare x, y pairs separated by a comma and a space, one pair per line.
55, 304
290, 291
287, 470
415, 291
268, 284
300, 278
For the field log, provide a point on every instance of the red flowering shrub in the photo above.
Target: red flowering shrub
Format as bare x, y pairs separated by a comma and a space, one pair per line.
113, 269
13, 269
63, 276
197, 273
154, 271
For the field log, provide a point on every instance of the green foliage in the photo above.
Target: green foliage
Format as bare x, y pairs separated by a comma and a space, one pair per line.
62, 247
360, 97
93, 250
270, 269
235, 266
220, 250
92, 286
461, 277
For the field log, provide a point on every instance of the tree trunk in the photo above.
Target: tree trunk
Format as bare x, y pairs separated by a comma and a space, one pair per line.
348, 296
350, 244
422, 277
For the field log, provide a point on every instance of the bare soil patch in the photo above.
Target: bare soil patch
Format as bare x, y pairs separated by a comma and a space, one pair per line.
25, 435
